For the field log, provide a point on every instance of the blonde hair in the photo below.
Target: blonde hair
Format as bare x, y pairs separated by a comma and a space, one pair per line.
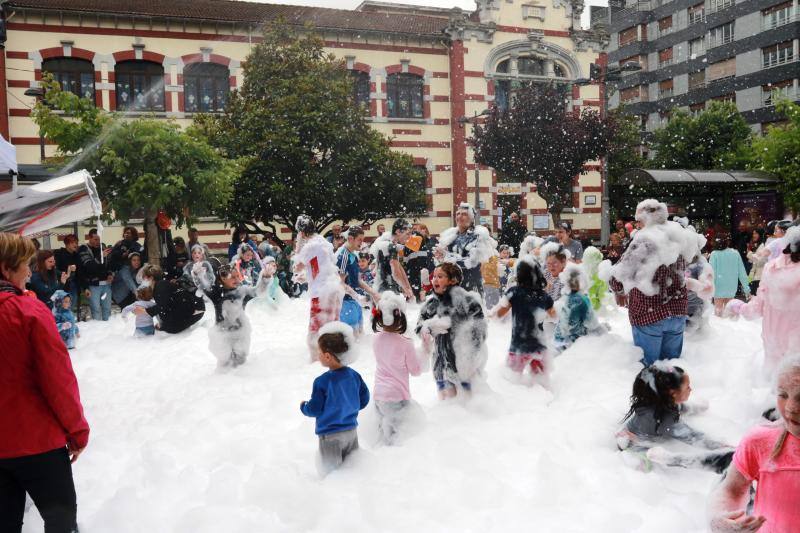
789, 365
14, 251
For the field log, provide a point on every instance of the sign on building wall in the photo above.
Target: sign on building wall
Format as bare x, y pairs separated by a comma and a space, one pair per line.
509, 188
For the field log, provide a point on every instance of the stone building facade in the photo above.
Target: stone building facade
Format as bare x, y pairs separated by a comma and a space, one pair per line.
420, 70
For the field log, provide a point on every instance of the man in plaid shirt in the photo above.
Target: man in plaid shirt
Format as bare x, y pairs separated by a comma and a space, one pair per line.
657, 321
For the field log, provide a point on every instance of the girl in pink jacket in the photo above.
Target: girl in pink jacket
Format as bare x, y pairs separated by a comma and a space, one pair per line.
396, 359
778, 301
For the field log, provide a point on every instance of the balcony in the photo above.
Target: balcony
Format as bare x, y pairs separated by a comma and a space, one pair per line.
665, 31
665, 93
697, 18
713, 43
664, 63
773, 60
696, 86
770, 23
770, 98
719, 5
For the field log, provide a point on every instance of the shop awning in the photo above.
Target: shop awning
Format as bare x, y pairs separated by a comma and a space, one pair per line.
643, 177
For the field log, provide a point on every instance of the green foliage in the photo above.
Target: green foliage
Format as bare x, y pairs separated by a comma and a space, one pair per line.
778, 152
539, 139
718, 138
624, 153
304, 144
72, 122
140, 166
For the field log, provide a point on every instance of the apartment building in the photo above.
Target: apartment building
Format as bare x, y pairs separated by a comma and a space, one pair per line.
694, 52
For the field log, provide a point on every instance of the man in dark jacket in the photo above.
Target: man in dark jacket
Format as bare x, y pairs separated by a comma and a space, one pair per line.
128, 245
97, 276
513, 233
69, 260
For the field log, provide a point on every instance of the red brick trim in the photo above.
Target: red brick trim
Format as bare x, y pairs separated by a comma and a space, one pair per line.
442, 214
19, 112
475, 97
419, 144
592, 189
443, 168
406, 132
19, 83
129, 55
517, 29
473, 74
441, 121
590, 210
440, 98
362, 67
29, 141
440, 74
14, 54
592, 167
398, 69
212, 58
442, 190
457, 134
381, 47
593, 103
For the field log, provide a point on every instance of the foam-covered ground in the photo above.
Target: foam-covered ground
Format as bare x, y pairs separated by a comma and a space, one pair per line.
178, 447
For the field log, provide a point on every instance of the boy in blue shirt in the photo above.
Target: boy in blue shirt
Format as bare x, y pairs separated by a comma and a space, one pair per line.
337, 397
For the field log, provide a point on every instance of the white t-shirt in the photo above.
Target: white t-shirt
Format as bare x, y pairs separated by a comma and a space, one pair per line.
321, 272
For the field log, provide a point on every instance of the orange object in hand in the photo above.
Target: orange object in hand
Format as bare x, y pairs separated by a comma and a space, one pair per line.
414, 243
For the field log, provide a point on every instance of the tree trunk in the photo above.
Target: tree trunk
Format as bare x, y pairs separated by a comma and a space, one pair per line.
151, 237
555, 211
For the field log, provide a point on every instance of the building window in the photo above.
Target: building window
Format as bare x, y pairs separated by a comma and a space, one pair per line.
530, 66
628, 36
361, 88
722, 70
665, 26
720, 35
697, 47
630, 95
665, 89
536, 12
697, 80
405, 95
140, 86
773, 92
776, 16
665, 57
778, 54
205, 87
74, 75
718, 5
696, 109
697, 14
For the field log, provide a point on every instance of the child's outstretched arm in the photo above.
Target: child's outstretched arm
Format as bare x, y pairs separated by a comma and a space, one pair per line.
316, 404
727, 505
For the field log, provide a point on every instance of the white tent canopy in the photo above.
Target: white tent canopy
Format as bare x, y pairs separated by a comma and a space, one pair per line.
29, 210
8, 157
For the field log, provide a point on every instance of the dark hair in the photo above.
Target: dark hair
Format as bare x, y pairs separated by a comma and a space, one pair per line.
178, 241
333, 343
722, 241
400, 324
365, 255
92, 231
236, 237
355, 231
134, 232
565, 225
70, 238
144, 293
453, 272
652, 388
399, 225
760, 232
132, 255
560, 253
41, 257
193, 230
530, 276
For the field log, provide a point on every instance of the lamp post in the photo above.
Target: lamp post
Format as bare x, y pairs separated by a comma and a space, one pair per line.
38, 93
602, 74
462, 121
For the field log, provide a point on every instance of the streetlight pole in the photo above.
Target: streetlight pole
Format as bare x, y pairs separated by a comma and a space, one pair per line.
38, 93
462, 121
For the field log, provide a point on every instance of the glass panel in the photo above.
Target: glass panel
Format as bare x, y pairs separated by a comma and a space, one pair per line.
530, 66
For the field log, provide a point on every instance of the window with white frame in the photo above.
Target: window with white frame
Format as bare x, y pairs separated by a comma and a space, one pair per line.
777, 91
697, 47
718, 5
697, 14
720, 35
776, 16
778, 54
532, 12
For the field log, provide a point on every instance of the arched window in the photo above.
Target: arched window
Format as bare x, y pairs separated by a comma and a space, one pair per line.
404, 92
205, 87
529, 69
360, 87
140, 86
74, 75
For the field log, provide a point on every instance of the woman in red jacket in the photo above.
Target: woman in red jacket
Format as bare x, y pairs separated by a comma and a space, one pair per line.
42, 427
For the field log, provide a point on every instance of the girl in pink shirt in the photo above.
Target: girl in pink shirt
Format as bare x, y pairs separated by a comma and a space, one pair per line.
396, 358
770, 456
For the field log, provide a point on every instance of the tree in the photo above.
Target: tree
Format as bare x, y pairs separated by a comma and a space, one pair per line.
540, 139
778, 152
140, 167
717, 138
624, 153
305, 145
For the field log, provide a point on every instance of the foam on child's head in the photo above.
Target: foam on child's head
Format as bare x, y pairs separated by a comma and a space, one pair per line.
338, 339
388, 304
574, 279
665, 366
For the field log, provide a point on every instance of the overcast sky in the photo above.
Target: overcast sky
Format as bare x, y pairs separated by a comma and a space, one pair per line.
467, 5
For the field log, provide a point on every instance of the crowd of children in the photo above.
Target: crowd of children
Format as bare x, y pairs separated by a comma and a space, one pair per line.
553, 299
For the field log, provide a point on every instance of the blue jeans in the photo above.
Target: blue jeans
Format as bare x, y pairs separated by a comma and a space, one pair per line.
100, 301
662, 340
144, 331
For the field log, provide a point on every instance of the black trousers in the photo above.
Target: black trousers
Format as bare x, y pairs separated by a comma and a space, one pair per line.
47, 477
